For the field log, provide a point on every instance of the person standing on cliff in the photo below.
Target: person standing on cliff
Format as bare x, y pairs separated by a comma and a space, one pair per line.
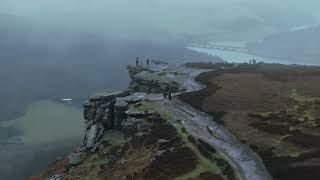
148, 62
137, 61
170, 96
164, 95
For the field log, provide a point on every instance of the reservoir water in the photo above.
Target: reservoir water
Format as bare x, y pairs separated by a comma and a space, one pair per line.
241, 57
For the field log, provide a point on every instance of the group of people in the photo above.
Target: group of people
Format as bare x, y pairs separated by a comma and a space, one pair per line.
253, 61
137, 62
167, 95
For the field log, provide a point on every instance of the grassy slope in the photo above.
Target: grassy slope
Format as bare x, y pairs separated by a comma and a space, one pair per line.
275, 109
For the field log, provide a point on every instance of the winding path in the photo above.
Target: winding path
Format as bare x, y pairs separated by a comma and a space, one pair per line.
247, 164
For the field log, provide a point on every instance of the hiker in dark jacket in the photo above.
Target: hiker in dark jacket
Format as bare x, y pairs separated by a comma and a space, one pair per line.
164, 95
148, 62
170, 96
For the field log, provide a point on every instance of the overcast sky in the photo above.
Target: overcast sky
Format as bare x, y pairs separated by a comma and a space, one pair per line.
165, 16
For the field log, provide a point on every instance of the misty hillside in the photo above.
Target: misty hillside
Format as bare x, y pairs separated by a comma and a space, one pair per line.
57, 63
298, 45
60, 59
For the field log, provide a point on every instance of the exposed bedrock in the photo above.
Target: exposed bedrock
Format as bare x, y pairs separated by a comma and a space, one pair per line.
99, 117
133, 70
117, 111
120, 107
145, 80
106, 112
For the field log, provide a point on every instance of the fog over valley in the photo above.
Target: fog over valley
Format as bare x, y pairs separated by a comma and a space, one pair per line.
69, 49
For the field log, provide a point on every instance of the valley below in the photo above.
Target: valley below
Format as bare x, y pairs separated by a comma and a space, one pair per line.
36, 127
48, 130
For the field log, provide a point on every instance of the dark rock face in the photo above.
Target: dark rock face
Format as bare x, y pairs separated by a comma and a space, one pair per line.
119, 112
133, 70
89, 111
92, 135
108, 118
134, 113
132, 126
151, 147
109, 112
145, 80
129, 128
98, 113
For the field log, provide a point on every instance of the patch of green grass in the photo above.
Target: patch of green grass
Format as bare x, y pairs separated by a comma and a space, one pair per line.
115, 138
204, 164
146, 106
307, 108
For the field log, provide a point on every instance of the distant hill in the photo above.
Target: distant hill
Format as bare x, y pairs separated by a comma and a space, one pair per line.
298, 45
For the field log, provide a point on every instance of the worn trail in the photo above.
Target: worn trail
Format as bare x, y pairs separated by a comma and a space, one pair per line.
247, 164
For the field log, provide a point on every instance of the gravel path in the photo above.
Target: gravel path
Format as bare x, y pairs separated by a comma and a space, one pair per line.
247, 164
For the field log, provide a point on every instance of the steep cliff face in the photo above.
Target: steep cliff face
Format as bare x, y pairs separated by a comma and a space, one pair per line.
127, 137
104, 113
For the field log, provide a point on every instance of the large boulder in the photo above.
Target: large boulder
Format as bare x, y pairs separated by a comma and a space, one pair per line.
105, 115
89, 111
135, 113
93, 134
132, 126
100, 109
108, 120
153, 82
134, 98
96, 105
76, 158
129, 128
99, 114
